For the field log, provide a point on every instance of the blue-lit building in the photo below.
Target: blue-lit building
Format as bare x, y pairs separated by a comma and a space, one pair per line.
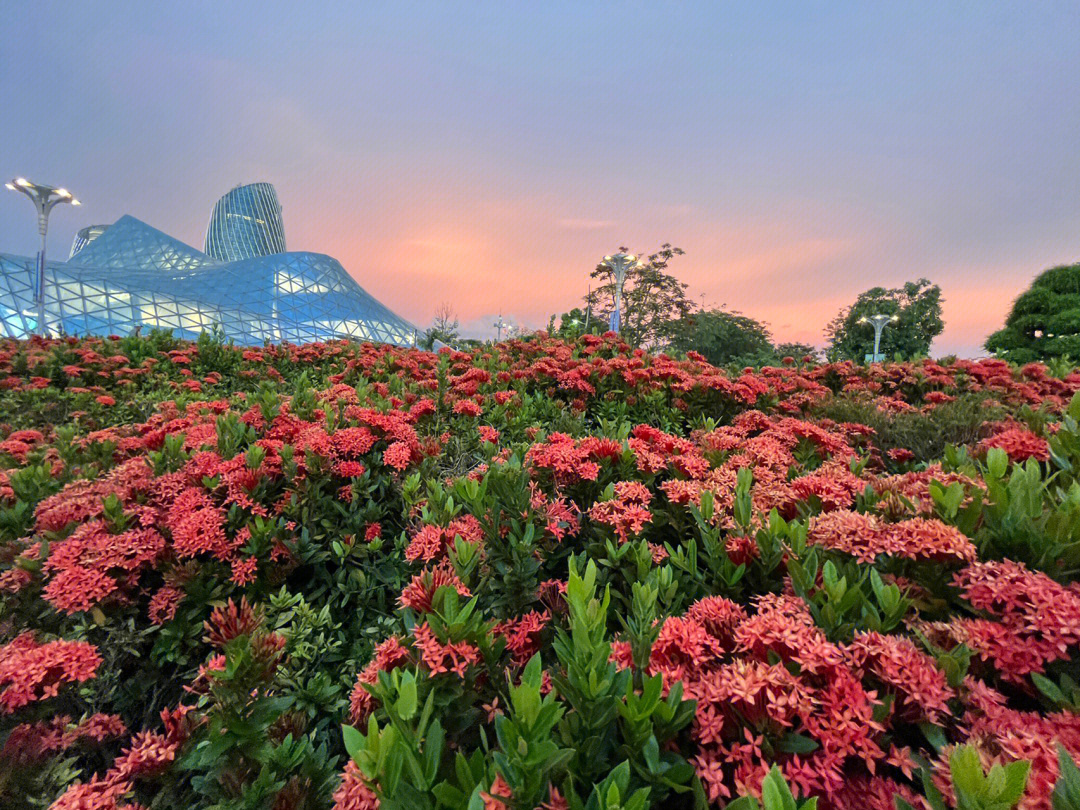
85, 236
246, 223
130, 275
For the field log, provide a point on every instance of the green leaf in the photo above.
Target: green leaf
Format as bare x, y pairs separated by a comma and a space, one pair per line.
743, 803
651, 754
997, 462
934, 735
1048, 688
775, 793
793, 743
967, 773
433, 748
406, 703
1066, 794
355, 742
1016, 774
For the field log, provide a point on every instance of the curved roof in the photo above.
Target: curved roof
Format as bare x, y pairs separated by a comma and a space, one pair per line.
134, 275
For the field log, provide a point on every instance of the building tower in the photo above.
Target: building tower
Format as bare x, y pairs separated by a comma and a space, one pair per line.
85, 236
246, 223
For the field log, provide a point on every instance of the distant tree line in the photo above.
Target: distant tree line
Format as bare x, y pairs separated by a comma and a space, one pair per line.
657, 313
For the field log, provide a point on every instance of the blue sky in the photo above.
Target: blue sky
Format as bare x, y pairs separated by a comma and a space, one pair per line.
487, 155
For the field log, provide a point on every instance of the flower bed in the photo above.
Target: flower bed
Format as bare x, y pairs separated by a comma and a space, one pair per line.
538, 575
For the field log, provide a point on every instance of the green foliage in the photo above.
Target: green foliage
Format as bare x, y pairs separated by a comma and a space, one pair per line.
775, 795
594, 732
723, 338
652, 298
1026, 516
575, 323
917, 306
797, 351
999, 789
847, 597
927, 434
1066, 794
1044, 322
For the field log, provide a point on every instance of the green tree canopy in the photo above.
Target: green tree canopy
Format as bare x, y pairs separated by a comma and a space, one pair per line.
917, 306
571, 325
1045, 320
652, 298
724, 338
797, 351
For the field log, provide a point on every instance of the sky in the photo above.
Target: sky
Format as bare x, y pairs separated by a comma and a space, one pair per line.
487, 155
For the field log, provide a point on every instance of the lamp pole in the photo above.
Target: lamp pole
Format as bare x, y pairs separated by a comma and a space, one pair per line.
44, 199
619, 264
878, 321
499, 324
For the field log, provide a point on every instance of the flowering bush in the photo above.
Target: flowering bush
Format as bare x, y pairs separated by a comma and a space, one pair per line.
536, 575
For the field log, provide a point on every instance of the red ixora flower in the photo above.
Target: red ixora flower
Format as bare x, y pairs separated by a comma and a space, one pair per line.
627, 513
865, 537
30, 671
441, 657
431, 542
1019, 444
418, 593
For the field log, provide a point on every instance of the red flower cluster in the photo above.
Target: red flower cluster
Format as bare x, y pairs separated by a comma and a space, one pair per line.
866, 537
571, 461
1019, 444
627, 512
1035, 619
30, 671
431, 542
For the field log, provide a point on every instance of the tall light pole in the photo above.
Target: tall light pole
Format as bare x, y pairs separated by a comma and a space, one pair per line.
44, 198
619, 264
879, 322
499, 326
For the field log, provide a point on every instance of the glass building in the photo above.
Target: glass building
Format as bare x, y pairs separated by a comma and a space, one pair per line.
131, 275
246, 223
85, 236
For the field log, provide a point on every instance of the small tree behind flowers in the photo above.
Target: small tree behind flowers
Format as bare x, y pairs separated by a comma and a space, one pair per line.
652, 298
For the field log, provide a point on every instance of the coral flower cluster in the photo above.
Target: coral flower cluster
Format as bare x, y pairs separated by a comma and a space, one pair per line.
590, 564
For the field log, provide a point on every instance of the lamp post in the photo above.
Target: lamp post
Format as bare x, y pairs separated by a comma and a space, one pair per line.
44, 199
879, 321
499, 326
619, 264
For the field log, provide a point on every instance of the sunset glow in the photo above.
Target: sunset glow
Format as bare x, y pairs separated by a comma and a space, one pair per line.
488, 159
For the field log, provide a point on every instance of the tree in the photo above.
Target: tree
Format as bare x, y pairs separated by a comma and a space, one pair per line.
572, 324
652, 298
797, 351
1045, 320
917, 306
724, 338
444, 327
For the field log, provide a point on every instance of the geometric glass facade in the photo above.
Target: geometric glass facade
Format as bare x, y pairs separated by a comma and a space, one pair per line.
85, 236
135, 276
246, 223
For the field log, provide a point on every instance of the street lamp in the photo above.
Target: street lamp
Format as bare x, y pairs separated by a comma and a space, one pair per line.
619, 264
499, 326
44, 198
879, 322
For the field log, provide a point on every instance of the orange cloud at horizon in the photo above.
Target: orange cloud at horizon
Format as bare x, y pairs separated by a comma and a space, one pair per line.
530, 257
